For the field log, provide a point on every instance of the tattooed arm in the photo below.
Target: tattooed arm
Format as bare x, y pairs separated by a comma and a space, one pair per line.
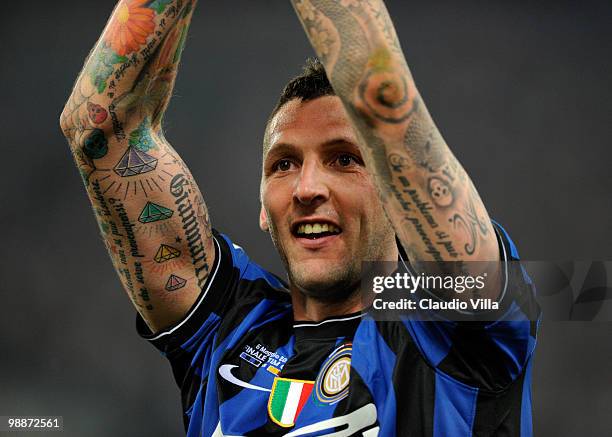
150, 211
429, 198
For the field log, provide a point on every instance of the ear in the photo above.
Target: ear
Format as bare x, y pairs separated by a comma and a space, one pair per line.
263, 220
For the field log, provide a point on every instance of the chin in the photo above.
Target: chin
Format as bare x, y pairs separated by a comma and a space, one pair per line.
323, 282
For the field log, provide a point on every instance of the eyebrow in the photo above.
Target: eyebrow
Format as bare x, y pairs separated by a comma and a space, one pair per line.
279, 148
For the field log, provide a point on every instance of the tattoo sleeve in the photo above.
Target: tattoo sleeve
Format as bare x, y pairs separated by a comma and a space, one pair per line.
429, 198
150, 211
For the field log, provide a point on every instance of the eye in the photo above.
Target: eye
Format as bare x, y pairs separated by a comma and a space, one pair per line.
346, 160
282, 165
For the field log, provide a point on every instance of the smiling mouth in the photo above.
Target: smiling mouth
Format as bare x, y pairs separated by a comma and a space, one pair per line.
313, 231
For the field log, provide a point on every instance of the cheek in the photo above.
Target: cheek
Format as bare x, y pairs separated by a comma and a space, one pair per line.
376, 217
361, 204
274, 198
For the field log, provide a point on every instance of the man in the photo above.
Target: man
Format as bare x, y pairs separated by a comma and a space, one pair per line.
349, 169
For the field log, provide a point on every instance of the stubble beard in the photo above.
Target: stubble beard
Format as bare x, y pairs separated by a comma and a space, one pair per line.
339, 283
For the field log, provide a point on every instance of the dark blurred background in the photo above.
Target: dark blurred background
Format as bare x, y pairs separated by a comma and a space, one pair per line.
521, 91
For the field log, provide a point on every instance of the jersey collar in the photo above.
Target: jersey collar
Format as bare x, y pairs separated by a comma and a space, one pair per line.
331, 327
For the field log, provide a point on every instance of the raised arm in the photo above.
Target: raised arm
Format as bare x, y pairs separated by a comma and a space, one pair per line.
151, 213
430, 200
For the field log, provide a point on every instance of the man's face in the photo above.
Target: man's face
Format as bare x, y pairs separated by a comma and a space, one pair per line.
318, 200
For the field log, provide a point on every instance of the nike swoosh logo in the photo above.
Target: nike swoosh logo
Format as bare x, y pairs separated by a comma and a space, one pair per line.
226, 373
357, 421
351, 424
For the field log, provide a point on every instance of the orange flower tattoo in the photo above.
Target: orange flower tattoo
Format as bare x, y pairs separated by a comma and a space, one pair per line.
131, 26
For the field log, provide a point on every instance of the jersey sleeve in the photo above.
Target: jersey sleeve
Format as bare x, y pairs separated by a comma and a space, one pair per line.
234, 286
489, 354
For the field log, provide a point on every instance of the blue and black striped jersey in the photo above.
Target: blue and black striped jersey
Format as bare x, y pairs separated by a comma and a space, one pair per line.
245, 367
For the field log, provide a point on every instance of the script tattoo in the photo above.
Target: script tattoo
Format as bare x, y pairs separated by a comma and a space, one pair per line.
425, 190
181, 189
471, 224
398, 162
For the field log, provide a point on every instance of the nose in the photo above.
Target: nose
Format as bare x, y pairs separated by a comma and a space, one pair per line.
311, 187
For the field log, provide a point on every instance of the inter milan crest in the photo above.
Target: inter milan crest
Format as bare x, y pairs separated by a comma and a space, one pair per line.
287, 399
332, 384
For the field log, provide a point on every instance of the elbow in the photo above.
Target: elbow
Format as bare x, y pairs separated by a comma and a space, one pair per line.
78, 123
67, 126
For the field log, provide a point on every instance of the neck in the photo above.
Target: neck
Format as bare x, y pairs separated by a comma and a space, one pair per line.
307, 308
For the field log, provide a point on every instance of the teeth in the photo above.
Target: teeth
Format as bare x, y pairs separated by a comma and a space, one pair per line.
317, 228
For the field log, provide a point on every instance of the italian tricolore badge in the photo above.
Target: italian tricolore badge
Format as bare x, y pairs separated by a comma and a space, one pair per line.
287, 399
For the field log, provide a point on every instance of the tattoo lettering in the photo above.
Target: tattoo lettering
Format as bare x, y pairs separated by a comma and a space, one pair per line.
446, 242
139, 273
127, 276
143, 292
117, 125
128, 31
180, 189
423, 234
127, 225
423, 207
104, 209
471, 225
398, 162
412, 205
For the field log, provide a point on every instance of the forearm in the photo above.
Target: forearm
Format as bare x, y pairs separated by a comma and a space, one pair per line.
136, 57
428, 197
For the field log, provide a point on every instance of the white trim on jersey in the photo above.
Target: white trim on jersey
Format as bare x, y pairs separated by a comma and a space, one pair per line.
505, 288
211, 279
301, 325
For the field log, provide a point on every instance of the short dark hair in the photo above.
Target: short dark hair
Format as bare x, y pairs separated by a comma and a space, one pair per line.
311, 84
